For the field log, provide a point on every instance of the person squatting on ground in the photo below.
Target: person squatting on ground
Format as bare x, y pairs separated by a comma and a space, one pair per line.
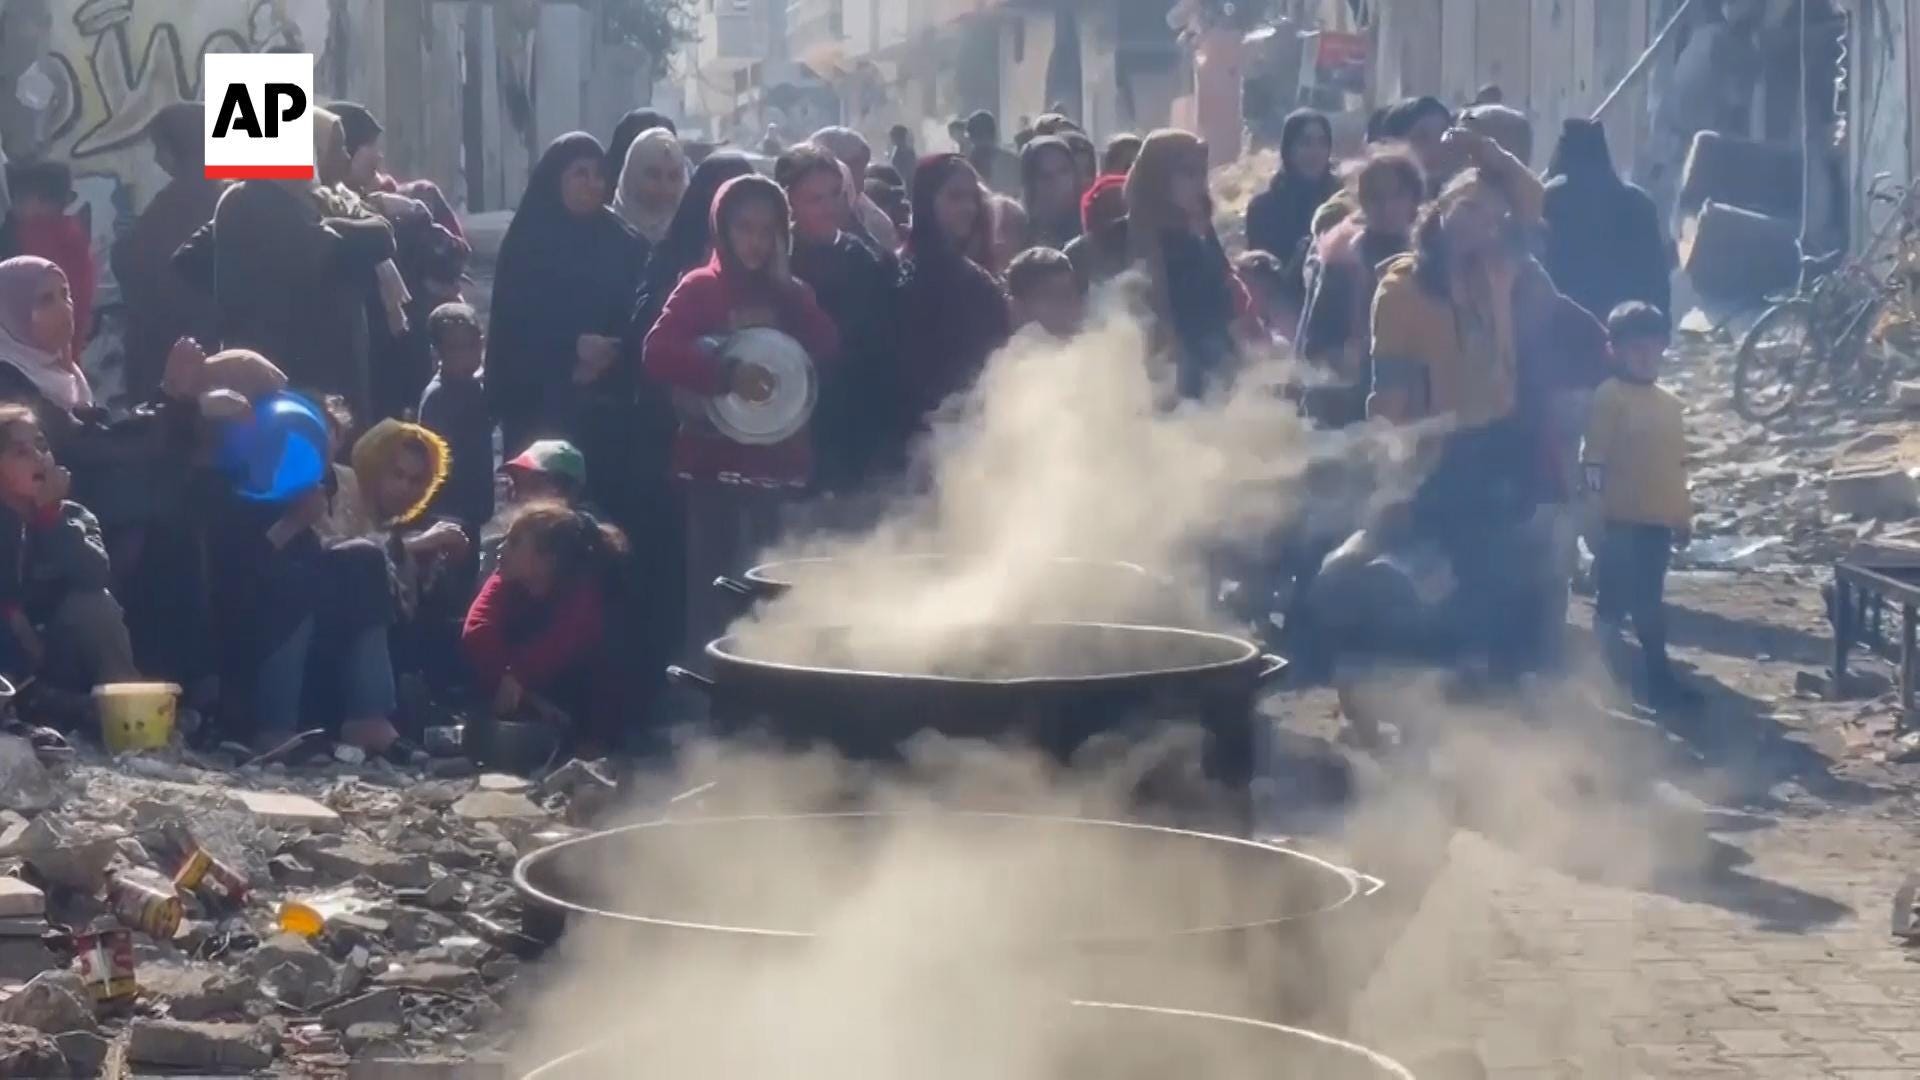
541, 636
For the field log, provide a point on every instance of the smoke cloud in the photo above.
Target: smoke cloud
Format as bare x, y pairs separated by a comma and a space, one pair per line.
916, 945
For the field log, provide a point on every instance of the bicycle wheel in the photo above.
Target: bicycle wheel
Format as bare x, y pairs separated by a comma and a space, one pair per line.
1774, 361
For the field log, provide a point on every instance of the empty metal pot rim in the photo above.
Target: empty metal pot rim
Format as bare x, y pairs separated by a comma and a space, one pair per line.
1358, 885
776, 574
1245, 652
555, 1069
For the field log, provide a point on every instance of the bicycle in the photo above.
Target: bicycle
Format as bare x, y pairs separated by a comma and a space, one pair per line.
1824, 328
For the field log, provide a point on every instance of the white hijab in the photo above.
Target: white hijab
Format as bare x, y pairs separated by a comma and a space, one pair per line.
653, 147
58, 378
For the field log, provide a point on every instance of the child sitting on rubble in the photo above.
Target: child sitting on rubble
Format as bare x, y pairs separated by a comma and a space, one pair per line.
538, 637
63, 627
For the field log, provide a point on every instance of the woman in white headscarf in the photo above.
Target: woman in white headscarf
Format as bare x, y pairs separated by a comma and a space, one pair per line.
36, 328
653, 178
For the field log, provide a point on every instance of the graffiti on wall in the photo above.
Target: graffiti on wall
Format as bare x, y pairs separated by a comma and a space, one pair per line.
97, 74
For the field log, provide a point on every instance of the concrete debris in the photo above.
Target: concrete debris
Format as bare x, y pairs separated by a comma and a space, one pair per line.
290, 871
26, 1052
384, 1006
346, 859
361, 1038
53, 1001
292, 970
505, 783
447, 892
86, 1051
20, 900
25, 785
1882, 495
284, 811
70, 854
433, 976
409, 872
21, 958
179, 1044
191, 991
484, 805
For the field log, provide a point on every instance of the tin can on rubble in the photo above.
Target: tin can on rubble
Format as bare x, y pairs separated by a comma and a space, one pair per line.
151, 907
104, 960
218, 885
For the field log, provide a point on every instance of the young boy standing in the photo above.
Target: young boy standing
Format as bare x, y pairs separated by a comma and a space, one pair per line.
454, 407
1635, 465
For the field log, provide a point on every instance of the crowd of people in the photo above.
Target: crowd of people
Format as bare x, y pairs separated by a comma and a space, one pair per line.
1434, 281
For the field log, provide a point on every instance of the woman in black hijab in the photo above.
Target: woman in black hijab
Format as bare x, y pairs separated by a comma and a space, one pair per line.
562, 289
1280, 219
1605, 242
1050, 175
953, 312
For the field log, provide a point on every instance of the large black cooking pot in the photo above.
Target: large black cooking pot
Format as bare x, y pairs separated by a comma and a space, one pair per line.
1087, 1041
1083, 908
1050, 685
1093, 590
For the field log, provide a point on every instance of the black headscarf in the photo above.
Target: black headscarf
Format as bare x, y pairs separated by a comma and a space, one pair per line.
1056, 233
1402, 117
1605, 241
1582, 155
629, 129
1280, 219
688, 240
357, 123
953, 312
559, 275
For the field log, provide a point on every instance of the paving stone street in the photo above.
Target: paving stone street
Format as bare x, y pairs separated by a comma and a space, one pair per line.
1769, 957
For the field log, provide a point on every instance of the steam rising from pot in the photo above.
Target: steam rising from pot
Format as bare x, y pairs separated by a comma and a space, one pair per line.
1077, 451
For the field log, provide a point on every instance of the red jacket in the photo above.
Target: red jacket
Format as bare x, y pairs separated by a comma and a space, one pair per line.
704, 304
64, 242
507, 634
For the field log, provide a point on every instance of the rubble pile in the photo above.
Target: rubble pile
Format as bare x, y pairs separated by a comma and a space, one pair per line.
178, 912
1810, 487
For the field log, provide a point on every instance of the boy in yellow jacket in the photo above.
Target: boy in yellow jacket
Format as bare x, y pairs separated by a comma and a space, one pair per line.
1635, 466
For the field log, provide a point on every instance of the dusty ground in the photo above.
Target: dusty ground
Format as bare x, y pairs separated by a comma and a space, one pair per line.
1758, 945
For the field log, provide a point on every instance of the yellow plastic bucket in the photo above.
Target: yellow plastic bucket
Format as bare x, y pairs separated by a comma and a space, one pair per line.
136, 716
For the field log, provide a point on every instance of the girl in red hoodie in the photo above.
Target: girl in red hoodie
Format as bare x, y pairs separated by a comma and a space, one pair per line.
540, 636
734, 491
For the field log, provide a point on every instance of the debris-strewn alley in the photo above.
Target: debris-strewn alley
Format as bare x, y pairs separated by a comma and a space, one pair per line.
1773, 956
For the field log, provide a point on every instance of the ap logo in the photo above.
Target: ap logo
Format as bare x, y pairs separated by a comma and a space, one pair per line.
259, 116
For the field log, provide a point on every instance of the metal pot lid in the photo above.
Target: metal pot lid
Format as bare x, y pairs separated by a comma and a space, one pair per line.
796, 386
